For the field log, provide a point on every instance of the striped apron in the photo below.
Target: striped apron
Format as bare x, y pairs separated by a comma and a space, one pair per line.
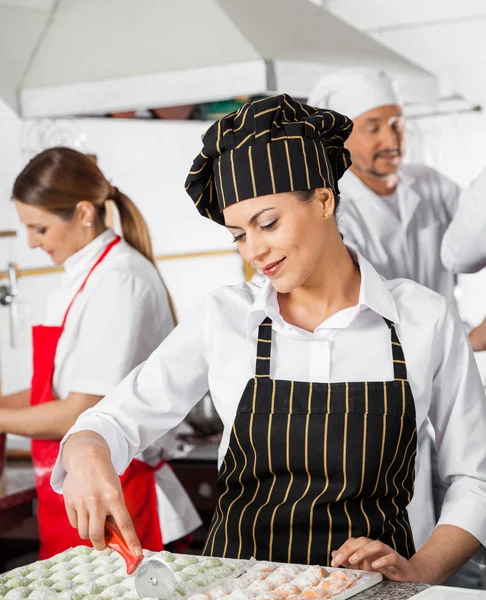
310, 465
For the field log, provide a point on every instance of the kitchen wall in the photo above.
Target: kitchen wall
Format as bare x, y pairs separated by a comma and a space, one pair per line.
149, 161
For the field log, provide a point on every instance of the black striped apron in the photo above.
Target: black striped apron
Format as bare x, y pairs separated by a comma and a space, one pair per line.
310, 465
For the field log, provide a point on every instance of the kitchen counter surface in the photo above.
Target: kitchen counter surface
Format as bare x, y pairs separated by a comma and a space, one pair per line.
19, 484
17, 494
389, 590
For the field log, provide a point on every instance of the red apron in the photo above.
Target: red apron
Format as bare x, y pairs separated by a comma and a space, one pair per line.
138, 482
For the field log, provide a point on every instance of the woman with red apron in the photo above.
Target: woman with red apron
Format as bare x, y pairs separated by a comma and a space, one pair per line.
321, 377
110, 285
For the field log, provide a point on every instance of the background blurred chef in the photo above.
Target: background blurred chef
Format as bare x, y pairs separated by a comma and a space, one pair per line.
464, 242
109, 313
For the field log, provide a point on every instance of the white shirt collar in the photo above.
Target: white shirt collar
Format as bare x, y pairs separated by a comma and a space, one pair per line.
82, 260
373, 294
352, 182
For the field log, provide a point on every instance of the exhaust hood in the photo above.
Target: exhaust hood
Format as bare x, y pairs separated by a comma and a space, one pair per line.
98, 56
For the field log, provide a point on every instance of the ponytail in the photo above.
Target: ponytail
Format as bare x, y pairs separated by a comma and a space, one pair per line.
135, 232
134, 228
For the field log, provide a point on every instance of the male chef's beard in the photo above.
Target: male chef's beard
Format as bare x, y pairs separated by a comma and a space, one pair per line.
372, 170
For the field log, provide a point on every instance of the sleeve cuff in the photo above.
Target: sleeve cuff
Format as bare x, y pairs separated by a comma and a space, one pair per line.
467, 510
96, 388
118, 450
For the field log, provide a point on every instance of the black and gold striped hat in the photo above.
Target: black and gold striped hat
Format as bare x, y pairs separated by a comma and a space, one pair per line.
268, 146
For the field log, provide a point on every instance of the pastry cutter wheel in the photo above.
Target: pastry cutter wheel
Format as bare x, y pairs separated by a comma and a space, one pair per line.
153, 576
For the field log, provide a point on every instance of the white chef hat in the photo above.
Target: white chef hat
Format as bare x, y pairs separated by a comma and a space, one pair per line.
354, 92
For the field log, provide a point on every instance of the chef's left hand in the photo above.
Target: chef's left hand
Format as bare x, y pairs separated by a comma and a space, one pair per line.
372, 555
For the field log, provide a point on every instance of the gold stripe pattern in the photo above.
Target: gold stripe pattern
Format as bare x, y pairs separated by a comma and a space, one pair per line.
289, 166
304, 154
217, 513
306, 462
242, 491
221, 184
269, 152
385, 411
291, 479
222, 496
363, 459
270, 468
255, 391
234, 176
252, 173
326, 485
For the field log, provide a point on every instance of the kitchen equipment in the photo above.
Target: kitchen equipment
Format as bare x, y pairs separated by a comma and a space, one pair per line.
153, 578
204, 419
8, 292
442, 592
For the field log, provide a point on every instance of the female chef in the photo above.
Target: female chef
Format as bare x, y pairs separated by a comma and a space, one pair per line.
109, 313
321, 377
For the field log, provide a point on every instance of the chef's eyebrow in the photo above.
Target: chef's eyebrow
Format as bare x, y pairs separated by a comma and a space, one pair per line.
253, 220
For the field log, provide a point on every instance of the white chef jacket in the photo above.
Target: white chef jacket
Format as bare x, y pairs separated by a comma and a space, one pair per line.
214, 349
406, 246
115, 323
464, 242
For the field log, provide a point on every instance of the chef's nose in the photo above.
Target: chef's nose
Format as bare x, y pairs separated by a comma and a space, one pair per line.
32, 240
256, 247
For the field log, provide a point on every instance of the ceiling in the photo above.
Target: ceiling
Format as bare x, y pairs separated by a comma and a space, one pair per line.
444, 36
64, 57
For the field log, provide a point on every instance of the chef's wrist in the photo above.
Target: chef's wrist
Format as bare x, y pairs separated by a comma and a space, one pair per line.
423, 571
84, 447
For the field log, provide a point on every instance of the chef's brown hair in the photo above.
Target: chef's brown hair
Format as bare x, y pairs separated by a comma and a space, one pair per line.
58, 178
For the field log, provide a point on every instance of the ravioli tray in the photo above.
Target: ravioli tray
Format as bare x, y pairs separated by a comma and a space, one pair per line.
83, 573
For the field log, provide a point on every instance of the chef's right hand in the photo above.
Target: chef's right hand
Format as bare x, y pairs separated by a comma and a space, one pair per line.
92, 491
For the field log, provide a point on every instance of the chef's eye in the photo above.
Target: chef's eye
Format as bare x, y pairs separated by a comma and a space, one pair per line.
41, 230
238, 238
269, 226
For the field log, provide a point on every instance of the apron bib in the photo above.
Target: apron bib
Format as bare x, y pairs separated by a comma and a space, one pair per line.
310, 465
55, 532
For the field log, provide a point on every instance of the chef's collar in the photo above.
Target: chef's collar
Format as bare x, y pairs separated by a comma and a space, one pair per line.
352, 183
83, 259
373, 294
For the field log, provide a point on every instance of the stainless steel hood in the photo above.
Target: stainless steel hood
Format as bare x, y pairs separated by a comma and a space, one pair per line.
96, 56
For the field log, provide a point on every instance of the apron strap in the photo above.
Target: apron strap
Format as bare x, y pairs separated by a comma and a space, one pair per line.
264, 346
100, 259
399, 366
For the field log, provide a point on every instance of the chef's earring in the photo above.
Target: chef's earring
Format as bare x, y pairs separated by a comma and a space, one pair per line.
88, 224
326, 215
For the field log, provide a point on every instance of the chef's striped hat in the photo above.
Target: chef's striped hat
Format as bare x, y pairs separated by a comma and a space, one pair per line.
268, 146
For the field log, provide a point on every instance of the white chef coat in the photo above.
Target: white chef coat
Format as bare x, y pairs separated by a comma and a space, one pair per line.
464, 242
214, 349
115, 323
407, 245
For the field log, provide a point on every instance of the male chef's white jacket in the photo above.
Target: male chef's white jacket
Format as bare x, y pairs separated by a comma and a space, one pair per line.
464, 243
405, 244
408, 246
